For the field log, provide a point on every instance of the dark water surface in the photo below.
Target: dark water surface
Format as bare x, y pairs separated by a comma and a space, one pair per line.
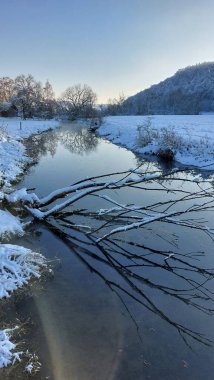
87, 329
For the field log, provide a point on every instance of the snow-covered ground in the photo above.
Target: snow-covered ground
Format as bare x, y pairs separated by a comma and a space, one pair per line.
194, 135
9, 225
17, 264
13, 157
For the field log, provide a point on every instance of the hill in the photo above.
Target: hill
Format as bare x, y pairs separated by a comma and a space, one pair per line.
189, 91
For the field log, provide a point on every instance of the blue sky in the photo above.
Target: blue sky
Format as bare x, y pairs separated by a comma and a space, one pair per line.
114, 46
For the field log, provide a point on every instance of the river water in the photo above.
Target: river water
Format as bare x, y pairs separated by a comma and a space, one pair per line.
88, 321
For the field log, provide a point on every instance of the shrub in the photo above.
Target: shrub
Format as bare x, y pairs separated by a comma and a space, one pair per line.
146, 133
169, 140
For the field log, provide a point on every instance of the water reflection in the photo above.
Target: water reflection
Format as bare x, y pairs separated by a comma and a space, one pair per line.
141, 271
80, 141
77, 140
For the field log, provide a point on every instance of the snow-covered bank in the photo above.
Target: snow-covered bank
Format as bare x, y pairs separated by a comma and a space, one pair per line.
7, 348
195, 135
17, 264
9, 225
13, 156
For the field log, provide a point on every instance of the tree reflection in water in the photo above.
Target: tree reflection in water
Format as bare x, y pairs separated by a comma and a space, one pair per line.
81, 141
131, 279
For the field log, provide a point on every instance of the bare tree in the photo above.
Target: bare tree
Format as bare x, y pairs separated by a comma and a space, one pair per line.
6, 89
79, 101
48, 93
116, 106
28, 95
48, 104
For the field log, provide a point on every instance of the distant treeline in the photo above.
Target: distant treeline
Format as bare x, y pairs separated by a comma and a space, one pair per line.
189, 91
28, 98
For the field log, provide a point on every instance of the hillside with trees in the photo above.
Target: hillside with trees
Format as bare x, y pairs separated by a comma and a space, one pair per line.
189, 91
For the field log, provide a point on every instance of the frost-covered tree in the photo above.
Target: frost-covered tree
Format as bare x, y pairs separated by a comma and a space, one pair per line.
48, 93
79, 101
47, 105
28, 95
49, 102
6, 89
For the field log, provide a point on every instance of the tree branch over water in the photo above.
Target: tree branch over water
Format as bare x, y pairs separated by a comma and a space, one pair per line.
115, 236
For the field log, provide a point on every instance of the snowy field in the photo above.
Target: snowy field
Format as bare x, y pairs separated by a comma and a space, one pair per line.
12, 152
191, 137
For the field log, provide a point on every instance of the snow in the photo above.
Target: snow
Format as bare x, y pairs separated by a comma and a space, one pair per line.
7, 353
9, 225
144, 221
28, 127
33, 365
17, 266
88, 188
78, 195
29, 368
68, 189
13, 158
22, 196
195, 135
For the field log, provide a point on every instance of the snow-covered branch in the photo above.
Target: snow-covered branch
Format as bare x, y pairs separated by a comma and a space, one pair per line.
109, 238
7, 348
17, 266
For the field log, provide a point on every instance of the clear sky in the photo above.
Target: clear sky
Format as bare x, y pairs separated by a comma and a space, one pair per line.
114, 46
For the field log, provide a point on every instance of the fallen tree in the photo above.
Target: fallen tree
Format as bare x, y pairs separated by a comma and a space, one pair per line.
109, 235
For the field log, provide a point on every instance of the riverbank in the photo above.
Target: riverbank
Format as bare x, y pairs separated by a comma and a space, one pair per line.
190, 137
13, 157
18, 264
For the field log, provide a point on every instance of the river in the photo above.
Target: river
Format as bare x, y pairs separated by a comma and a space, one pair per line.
86, 329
